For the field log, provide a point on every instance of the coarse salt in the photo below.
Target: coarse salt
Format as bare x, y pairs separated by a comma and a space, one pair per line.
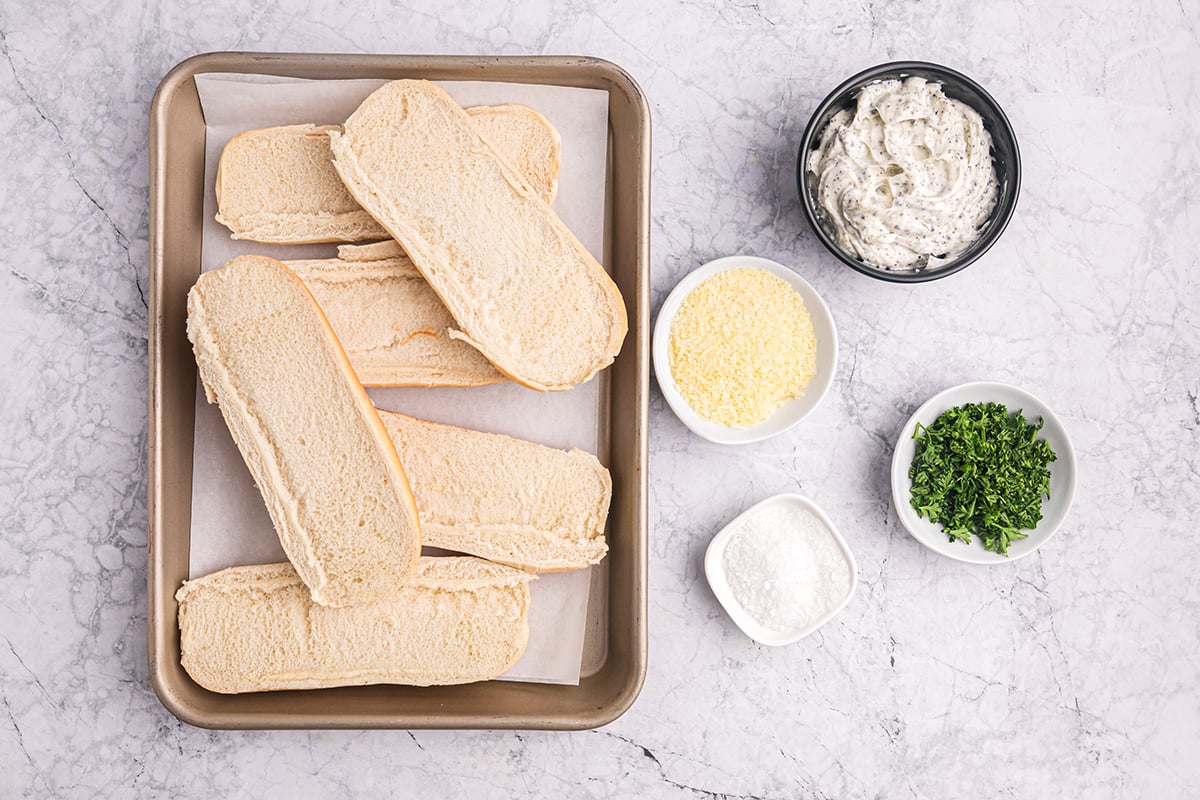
786, 569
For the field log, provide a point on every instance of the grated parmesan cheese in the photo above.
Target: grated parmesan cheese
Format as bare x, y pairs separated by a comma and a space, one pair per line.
741, 345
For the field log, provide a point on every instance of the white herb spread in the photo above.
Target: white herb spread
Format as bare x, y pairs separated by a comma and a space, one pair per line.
785, 568
906, 179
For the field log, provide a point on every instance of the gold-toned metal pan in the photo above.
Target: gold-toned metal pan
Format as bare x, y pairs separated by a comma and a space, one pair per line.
615, 650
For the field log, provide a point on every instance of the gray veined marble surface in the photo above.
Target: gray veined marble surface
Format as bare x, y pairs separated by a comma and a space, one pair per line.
1072, 673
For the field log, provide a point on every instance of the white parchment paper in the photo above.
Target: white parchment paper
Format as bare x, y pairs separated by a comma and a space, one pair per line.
230, 524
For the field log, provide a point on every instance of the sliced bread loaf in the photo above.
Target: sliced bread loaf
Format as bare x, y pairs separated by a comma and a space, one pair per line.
253, 629
526, 140
520, 285
504, 499
313, 441
393, 327
278, 185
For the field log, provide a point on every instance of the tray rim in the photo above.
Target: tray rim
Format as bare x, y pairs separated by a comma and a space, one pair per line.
161, 612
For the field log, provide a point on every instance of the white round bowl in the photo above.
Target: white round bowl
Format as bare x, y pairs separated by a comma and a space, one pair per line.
1062, 472
792, 411
714, 570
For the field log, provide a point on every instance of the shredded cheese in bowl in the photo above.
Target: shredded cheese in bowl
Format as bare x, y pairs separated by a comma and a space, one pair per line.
741, 345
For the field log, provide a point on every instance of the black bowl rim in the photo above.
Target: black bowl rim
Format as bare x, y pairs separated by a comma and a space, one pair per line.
808, 202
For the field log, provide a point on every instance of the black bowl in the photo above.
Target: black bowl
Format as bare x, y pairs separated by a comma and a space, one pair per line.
1005, 156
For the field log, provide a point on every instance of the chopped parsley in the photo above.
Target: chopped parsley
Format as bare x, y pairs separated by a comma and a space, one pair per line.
980, 470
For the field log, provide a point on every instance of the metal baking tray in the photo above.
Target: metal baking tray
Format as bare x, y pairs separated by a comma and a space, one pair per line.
615, 649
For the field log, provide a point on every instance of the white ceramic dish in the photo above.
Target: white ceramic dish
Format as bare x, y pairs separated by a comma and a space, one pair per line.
1062, 472
792, 411
714, 570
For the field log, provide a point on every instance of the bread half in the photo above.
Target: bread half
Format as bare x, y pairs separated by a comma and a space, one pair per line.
255, 629
393, 327
522, 288
313, 441
504, 499
278, 185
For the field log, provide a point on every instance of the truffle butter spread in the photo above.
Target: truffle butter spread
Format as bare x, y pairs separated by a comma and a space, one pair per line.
906, 179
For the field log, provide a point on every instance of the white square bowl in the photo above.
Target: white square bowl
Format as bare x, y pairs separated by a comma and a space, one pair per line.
714, 570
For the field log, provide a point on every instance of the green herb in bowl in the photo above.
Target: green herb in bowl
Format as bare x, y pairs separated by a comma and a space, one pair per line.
980, 470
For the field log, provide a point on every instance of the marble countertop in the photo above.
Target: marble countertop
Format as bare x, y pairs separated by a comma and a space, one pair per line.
1074, 672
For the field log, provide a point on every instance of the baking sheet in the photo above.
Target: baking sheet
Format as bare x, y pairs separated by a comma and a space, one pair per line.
230, 524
